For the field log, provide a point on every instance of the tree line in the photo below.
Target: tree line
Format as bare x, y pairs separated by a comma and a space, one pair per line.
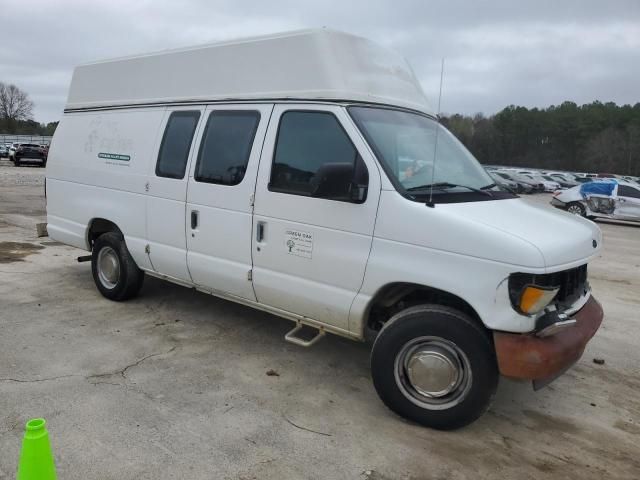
596, 137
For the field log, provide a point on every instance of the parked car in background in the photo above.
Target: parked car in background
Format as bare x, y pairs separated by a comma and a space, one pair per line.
509, 185
12, 151
581, 180
29, 153
633, 180
563, 182
614, 199
548, 185
536, 187
4, 151
563, 177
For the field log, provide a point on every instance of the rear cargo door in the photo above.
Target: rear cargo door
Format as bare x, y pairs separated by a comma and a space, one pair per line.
220, 197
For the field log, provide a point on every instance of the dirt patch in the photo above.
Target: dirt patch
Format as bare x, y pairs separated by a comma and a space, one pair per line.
16, 251
550, 423
51, 243
627, 427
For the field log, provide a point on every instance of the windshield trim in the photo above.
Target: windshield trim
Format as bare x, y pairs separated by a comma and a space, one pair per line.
392, 178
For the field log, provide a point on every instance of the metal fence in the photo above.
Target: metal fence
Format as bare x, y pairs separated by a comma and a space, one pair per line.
37, 139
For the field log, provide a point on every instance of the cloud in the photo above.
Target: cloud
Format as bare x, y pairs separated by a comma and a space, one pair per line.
532, 53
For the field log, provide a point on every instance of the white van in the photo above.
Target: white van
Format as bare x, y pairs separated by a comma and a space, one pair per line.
305, 174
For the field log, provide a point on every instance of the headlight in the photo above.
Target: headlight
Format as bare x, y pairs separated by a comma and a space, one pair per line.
534, 299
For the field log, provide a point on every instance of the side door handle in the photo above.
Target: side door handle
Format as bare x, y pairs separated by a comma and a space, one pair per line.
260, 232
194, 219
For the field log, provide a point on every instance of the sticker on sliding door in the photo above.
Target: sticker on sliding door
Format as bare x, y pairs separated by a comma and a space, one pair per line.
298, 243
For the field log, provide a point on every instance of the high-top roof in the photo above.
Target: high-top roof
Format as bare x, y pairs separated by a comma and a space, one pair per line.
318, 64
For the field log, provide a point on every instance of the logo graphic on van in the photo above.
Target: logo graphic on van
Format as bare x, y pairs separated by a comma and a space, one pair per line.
290, 244
299, 243
114, 156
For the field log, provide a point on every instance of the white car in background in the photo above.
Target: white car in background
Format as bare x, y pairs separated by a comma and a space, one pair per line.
549, 186
614, 199
12, 151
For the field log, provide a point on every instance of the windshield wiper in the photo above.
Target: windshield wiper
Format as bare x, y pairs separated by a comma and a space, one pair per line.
443, 185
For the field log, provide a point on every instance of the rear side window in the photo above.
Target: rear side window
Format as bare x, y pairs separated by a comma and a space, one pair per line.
226, 146
315, 157
176, 142
625, 191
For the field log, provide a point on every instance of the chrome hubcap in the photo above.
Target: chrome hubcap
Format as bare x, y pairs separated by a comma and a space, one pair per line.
108, 267
433, 373
576, 210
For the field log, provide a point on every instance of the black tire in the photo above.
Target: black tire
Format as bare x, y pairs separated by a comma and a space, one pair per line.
573, 207
16, 162
124, 284
470, 342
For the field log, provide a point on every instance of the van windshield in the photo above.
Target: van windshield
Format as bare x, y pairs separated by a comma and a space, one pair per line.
405, 144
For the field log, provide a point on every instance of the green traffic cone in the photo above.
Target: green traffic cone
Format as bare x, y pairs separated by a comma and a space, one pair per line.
36, 460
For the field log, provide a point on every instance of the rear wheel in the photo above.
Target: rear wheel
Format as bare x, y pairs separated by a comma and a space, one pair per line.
114, 271
435, 366
576, 208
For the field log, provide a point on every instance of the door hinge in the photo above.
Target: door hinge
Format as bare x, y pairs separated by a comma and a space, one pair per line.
147, 249
252, 198
250, 275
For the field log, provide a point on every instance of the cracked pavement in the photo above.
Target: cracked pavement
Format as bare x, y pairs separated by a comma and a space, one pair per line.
175, 384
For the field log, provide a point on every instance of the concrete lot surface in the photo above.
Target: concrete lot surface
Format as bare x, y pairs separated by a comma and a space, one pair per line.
174, 384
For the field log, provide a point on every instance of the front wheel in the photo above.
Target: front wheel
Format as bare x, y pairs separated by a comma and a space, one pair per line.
435, 366
114, 271
577, 208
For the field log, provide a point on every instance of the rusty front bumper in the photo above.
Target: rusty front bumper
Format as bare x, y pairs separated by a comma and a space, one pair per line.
526, 356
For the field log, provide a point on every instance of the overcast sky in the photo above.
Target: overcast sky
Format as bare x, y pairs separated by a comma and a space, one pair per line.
498, 52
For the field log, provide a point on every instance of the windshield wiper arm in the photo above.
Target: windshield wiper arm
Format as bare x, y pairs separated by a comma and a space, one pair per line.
442, 185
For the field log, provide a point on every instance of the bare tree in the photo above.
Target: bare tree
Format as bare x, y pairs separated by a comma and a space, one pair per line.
14, 105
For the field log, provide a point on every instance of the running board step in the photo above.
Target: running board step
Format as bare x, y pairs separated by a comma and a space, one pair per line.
291, 336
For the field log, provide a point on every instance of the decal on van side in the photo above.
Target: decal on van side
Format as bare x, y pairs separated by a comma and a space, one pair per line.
114, 156
299, 243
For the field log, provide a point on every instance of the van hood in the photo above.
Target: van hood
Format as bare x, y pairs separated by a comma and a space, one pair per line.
560, 237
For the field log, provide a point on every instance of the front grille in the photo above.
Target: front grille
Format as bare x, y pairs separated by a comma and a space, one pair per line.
572, 284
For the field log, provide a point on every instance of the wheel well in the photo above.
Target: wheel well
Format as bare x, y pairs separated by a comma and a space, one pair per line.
395, 297
99, 226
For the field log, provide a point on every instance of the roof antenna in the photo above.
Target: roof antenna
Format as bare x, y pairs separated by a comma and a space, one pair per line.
435, 145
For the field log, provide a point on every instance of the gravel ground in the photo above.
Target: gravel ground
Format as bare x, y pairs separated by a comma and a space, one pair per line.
174, 384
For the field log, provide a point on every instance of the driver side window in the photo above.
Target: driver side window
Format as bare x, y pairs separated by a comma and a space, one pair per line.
314, 157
